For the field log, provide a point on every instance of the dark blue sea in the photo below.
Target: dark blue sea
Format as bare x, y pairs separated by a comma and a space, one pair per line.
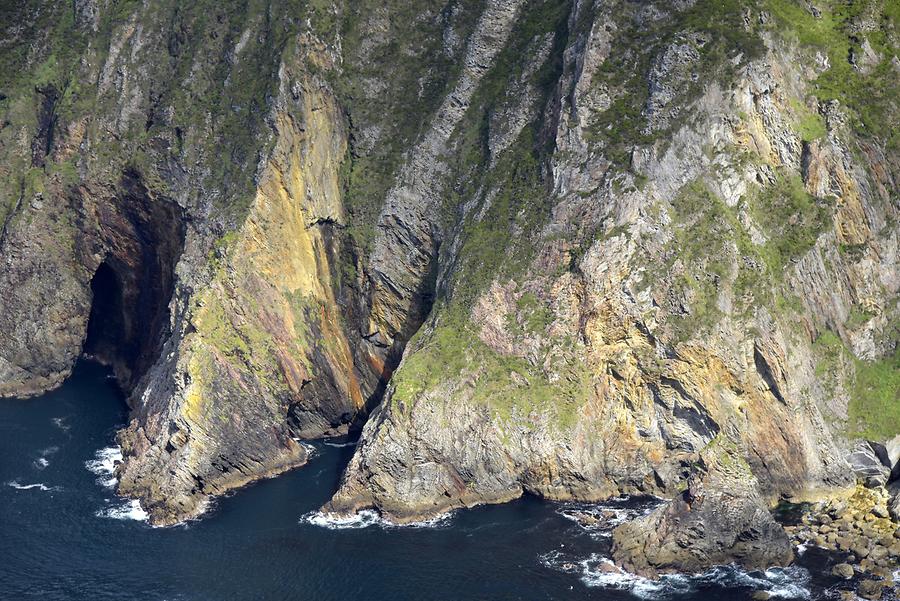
65, 535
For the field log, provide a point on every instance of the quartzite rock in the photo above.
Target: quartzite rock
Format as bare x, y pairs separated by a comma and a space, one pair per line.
869, 461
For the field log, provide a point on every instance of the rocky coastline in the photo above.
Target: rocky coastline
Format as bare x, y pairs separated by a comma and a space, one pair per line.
573, 249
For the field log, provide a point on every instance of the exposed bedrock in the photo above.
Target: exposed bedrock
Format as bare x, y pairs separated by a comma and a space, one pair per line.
720, 518
706, 291
263, 352
297, 334
575, 247
106, 295
141, 239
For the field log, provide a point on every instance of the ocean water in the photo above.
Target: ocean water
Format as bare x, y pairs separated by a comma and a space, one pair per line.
65, 535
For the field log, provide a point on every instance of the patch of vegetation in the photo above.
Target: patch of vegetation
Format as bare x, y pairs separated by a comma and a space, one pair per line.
538, 316
858, 317
810, 125
791, 218
704, 230
875, 398
215, 326
407, 55
716, 250
874, 409
625, 72
512, 197
872, 96
511, 201
854, 252
508, 384
496, 244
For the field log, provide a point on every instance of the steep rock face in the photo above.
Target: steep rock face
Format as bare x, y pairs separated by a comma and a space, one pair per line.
214, 139
264, 354
602, 236
701, 238
241, 347
93, 154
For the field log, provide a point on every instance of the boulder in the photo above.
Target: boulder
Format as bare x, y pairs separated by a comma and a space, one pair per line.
843, 570
893, 504
720, 519
871, 589
870, 462
892, 447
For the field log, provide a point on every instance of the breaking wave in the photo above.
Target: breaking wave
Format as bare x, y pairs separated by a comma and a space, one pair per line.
104, 465
362, 519
40, 486
600, 519
128, 510
41, 462
311, 451
366, 518
599, 571
340, 445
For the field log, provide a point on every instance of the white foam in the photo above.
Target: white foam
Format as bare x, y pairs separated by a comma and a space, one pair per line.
789, 583
105, 465
786, 583
40, 486
333, 521
340, 445
310, 449
129, 510
42, 461
600, 519
599, 571
366, 518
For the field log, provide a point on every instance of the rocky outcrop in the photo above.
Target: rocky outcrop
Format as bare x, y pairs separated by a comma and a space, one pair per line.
859, 526
403, 262
266, 345
197, 250
702, 289
720, 518
870, 463
894, 502
574, 247
892, 449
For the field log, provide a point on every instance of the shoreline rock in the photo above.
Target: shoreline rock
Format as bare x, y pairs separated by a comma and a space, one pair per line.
720, 518
858, 526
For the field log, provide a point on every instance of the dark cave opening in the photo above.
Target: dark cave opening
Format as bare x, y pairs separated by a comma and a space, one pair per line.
106, 329
143, 238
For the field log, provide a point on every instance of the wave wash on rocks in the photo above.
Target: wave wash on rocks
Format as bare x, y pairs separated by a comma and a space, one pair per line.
608, 247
